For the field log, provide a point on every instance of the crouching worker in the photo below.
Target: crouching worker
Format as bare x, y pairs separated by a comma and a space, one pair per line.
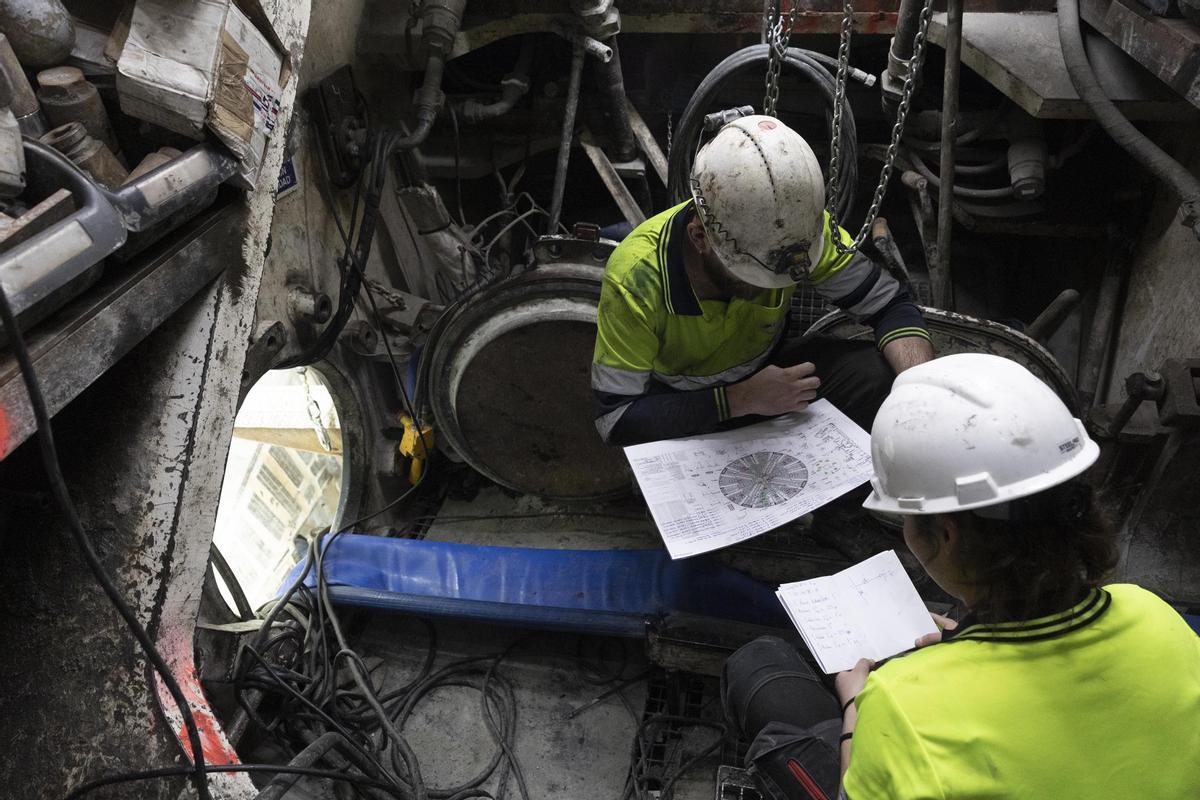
690, 329
1052, 686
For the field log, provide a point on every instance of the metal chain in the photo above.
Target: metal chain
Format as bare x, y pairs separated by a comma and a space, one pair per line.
885, 174
779, 36
670, 127
314, 412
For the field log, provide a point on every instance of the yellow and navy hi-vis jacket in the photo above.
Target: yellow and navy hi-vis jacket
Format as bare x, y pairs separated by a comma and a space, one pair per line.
663, 357
1099, 700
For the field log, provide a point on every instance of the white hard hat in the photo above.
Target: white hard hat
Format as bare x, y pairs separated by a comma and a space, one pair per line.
969, 431
760, 195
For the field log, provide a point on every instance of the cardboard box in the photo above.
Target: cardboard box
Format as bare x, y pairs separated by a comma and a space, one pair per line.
192, 65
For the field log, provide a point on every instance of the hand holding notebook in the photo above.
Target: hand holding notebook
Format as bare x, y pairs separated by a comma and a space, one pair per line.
870, 610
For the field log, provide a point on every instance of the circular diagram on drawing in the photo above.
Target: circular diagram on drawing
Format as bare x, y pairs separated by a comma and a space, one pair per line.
763, 479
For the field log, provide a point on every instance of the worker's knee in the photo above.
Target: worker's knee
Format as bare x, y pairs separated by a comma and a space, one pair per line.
763, 679
857, 379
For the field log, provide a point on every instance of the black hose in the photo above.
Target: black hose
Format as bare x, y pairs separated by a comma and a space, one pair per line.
611, 85
1182, 183
816, 67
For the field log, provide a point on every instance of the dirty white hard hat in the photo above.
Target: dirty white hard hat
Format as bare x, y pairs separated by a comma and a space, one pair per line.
968, 431
761, 198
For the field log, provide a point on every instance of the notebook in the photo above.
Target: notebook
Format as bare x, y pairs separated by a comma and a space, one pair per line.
870, 610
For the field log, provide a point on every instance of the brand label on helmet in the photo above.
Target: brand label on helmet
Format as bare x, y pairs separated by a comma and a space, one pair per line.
767, 125
1069, 445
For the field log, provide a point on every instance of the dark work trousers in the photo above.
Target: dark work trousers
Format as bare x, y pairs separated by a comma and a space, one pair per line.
854, 375
776, 701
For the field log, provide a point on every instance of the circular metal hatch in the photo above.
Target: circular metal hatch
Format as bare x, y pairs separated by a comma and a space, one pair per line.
510, 379
958, 333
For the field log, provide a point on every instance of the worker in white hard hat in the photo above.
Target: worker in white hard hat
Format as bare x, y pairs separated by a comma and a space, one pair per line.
695, 301
1053, 685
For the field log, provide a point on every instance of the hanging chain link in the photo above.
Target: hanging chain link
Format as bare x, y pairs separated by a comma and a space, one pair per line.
670, 127
314, 412
779, 36
885, 174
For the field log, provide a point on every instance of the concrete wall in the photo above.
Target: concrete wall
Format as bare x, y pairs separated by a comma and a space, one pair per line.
1161, 316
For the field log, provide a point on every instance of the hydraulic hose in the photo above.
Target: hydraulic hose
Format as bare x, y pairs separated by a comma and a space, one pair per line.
816, 67
1182, 183
513, 87
1001, 192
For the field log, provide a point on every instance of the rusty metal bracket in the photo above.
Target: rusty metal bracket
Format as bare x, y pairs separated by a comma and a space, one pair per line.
266, 343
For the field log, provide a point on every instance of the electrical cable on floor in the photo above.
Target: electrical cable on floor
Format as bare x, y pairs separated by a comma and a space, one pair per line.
62, 496
371, 720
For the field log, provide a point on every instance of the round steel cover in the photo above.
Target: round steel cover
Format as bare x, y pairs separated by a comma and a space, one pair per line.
510, 380
959, 333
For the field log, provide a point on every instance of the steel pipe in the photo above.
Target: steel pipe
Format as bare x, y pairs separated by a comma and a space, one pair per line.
942, 279
282, 783
568, 132
1095, 351
1053, 316
611, 83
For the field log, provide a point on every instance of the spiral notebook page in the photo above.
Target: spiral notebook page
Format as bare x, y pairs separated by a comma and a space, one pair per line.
870, 610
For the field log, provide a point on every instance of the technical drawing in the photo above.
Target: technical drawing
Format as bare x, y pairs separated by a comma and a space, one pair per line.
711, 491
763, 479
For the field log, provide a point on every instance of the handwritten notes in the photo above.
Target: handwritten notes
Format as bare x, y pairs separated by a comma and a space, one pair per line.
870, 610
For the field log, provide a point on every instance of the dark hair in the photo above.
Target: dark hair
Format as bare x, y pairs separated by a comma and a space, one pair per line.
1030, 568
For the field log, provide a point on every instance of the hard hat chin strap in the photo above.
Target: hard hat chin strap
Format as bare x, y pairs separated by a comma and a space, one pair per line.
1065, 504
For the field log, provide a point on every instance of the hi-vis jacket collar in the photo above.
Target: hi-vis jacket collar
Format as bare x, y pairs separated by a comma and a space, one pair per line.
1083, 613
679, 295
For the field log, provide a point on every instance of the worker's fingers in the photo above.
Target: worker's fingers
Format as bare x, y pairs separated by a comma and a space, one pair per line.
928, 639
810, 384
945, 623
800, 370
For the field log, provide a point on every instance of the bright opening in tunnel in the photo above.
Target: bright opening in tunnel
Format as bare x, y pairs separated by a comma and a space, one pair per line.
282, 483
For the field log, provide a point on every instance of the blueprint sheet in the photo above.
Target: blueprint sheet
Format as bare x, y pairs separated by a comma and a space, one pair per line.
708, 492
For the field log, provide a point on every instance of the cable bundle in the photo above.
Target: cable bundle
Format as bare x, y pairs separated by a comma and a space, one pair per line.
301, 660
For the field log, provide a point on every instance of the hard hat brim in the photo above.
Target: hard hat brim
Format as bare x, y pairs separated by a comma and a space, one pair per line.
949, 504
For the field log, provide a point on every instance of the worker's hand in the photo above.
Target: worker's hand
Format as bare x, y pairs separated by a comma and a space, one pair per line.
774, 390
849, 683
943, 623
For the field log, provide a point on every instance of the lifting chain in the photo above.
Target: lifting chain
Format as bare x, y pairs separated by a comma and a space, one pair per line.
778, 34
314, 412
885, 174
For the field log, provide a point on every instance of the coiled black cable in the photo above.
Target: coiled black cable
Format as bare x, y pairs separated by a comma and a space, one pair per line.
818, 68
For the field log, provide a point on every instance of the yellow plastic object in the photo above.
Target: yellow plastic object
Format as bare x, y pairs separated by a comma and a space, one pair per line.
415, 444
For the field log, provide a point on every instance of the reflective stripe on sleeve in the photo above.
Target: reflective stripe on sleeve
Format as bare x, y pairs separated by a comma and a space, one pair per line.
619, 381
902, 333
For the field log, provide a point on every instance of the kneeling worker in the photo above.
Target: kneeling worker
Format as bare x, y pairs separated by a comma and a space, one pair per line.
695, 300
1052, 686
